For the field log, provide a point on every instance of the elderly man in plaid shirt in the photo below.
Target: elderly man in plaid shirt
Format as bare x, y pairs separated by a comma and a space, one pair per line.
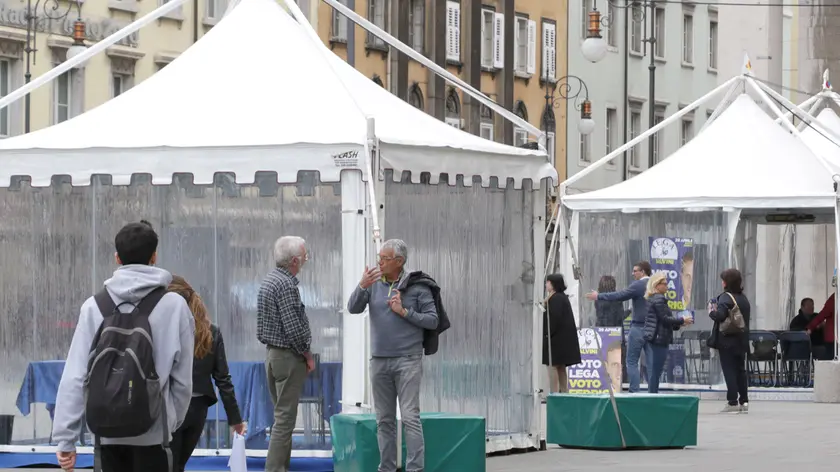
283, 327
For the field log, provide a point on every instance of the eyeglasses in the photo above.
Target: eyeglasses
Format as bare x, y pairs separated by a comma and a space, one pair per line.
386, 258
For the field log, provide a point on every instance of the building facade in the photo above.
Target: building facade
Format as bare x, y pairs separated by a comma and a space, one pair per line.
686, 59
106, 75
501, 47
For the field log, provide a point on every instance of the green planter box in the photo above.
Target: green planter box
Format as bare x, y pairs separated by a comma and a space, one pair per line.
648, 421
453, 443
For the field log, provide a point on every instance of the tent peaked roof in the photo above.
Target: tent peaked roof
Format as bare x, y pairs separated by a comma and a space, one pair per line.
743, 160
258, 81
821, 142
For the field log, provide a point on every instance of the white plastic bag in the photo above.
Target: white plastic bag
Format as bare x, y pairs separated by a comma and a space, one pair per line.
237, 462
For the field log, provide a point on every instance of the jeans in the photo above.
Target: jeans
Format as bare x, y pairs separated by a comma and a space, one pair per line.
656, 364
186, 438
635, 344
733, 365
393, 378
286, 374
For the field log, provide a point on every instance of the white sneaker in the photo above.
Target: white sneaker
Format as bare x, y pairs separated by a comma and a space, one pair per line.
745, 408
731, 409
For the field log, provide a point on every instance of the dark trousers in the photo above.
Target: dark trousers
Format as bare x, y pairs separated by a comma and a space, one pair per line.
135, 459
734, 369
186, 437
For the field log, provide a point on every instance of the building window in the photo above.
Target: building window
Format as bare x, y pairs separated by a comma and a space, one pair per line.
376, 15
686, 130
688, 38
520, 50
659, 27
611, 132
611, 27
62, 97
417, 25
636, 32
215, 9
634, 154
117, 84
551, 145
549, 124
415, 97
453, 109
486, 129
585, 155
339, 25
713, 44
520, 136
549, 47
453, 31
658, 117
588, 6
5, 81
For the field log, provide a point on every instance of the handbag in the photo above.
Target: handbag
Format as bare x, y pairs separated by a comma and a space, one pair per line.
734, 323
238, 461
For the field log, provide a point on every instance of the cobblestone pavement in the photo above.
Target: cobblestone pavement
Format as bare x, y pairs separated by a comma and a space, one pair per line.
773, 437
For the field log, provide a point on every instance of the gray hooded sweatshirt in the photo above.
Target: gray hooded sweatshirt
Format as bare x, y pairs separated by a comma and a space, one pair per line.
173, 336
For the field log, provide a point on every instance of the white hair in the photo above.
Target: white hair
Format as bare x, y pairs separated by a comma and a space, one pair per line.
399, 247
286, 249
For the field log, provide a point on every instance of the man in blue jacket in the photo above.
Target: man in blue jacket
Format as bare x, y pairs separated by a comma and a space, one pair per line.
635, 340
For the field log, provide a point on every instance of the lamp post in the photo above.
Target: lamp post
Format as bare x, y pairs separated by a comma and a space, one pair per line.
47, 11
640, 16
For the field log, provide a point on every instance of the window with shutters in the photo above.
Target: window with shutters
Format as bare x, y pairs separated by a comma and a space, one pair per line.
611, 133
658, 117
636, 32
549, 48
5, 82
339, 25
659, 29
686, 129
376, 15
525, 48
713, 43
586, 7
634, 154
453, 109
520, 135
453, 31
417, 25
688, 37
611, 28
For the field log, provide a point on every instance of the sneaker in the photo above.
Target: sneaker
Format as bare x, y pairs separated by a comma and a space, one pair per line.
731, 409
745, 408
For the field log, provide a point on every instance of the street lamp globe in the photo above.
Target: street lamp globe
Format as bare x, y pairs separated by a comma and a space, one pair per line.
594, 48
586, 126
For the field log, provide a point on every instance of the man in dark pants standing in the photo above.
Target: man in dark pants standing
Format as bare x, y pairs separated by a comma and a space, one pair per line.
283, 327
635, 340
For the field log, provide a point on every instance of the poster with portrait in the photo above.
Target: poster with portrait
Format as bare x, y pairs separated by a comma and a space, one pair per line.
600, 354
674, 257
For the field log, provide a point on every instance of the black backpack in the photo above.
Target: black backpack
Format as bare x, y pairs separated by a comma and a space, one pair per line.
123, 397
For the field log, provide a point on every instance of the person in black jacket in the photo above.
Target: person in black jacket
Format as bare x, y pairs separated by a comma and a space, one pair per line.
560, 339
608, 313
732, 348
209, 361
660, 325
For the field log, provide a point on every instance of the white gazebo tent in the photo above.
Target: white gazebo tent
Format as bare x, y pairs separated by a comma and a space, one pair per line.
236, 103
743, 166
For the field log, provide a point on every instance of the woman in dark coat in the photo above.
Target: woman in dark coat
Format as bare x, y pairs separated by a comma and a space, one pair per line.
660, 324
732, 347
560, 339
608, 313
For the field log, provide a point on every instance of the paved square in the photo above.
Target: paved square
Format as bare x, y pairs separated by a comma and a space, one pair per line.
773, 437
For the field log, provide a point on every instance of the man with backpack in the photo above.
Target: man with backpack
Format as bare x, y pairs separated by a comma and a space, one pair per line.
128, 374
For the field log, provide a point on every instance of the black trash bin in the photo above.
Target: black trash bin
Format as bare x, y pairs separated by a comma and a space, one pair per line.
7, 423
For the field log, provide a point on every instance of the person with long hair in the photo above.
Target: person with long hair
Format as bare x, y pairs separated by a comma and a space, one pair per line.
210, 362
732, 345
660, 324
608, 313
560, 336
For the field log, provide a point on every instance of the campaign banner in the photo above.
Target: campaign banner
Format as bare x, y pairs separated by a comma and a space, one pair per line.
600, 354
674, 257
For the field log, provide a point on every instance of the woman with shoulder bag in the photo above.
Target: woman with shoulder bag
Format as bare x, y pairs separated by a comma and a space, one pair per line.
660, 324
730, 336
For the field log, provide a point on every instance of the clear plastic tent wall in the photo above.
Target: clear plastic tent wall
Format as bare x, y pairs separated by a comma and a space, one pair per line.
478, 242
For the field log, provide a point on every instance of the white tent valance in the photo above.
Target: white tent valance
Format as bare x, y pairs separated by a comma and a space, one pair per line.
257, 93
743, 160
